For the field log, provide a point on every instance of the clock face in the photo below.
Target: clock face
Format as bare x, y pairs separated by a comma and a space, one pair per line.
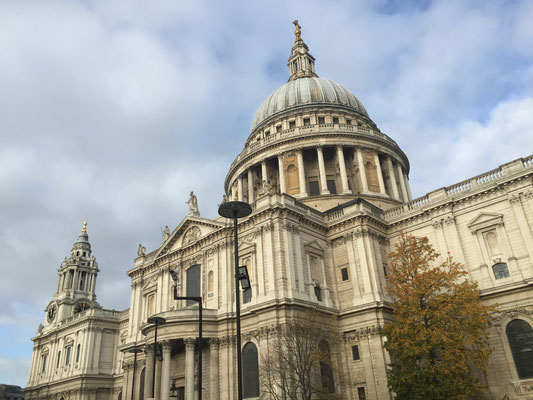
80, 307
51, 313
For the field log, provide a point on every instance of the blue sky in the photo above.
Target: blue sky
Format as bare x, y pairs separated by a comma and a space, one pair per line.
112, 112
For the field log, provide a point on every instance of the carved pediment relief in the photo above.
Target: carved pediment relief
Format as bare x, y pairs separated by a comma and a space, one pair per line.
191, 235
485, 220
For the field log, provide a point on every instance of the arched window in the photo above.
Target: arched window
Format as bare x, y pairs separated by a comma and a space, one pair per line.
119, 396
141, 385
193, 283
520, 336
250, 379
500, 270
326, 372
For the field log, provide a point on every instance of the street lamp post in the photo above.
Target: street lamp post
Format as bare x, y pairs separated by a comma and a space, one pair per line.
135, 350
236, 210
198, 299
157, 321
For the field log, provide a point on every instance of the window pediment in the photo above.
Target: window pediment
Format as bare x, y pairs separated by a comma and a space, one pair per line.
485, 220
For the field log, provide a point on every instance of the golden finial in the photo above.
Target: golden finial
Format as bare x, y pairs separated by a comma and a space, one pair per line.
84, 226
298, 31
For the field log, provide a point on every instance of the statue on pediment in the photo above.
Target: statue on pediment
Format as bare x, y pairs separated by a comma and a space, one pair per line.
193, 204
166, 233
141, 250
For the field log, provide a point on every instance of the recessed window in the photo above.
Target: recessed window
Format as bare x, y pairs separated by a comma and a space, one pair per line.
67, 358
361, 393
292, 124
318, 293
314, 189
331, 186
348, 121
58, 358
520, 337
278, 128
307, 121
78, 353
335, 120
267, 133
355, 353
44, 363
385, 270
500, 270
321, 120
344, 274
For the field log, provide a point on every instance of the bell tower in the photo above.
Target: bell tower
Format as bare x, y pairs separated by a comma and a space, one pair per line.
76, 282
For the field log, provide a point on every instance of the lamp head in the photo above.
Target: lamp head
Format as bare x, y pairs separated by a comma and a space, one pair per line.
174, 275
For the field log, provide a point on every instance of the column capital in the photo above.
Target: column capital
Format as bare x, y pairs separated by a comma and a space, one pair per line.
214, 343
165, 344
189, 342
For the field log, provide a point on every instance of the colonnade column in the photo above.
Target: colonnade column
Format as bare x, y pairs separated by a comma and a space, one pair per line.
148, 371
406, 179
380, 174
240, 196
264, 176
165, 371
402, 183
189, 368
342, 166
392, 175
322, 171
282, 188
213, 368
301, 173
250, 185
362, 171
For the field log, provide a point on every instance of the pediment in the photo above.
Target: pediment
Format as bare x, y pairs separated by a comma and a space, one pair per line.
188, 232
484, 220
314, 246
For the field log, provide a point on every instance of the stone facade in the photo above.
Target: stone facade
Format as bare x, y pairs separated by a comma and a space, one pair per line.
330, 195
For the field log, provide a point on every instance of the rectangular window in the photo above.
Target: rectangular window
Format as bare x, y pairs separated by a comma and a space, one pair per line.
385, 270
314, 189
58, 358
318, 293
331, 186
267, 133
335, 120
67, 358
307, 121
78, 353
44, 363
348, 121
278, 128
361, 393
344, 274
321, 120
292, 124
355, 353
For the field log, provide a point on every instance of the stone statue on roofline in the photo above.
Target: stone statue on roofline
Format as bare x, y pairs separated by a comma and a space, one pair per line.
193, 204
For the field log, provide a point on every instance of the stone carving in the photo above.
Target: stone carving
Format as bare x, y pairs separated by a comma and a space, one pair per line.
141, 250
193, 204
514, 198
192, 235
266, 188
224, 200
166, 233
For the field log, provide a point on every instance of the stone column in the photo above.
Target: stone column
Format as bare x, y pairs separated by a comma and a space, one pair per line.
322, 171
264, 175
189, 368
213, 369
380, 174
342, 166
165, 371
402, 183
282, 187
406, 179
250, 185
392, 175
362, 171
148, 371
301, 173
239, 189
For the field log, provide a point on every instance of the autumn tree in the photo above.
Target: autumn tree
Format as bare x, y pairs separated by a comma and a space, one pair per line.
437, 341
298, 365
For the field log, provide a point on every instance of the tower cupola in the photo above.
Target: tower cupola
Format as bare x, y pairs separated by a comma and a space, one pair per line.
301, 62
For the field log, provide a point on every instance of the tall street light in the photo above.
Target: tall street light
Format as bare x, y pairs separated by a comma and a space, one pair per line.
157, 321
135, 351
198, 299
236, 210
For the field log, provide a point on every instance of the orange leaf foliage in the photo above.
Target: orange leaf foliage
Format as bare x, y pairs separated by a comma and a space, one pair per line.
437, 342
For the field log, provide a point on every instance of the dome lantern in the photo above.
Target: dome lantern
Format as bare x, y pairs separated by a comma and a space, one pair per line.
301, 62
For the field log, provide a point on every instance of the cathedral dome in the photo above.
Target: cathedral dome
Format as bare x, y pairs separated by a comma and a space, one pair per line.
306, 91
